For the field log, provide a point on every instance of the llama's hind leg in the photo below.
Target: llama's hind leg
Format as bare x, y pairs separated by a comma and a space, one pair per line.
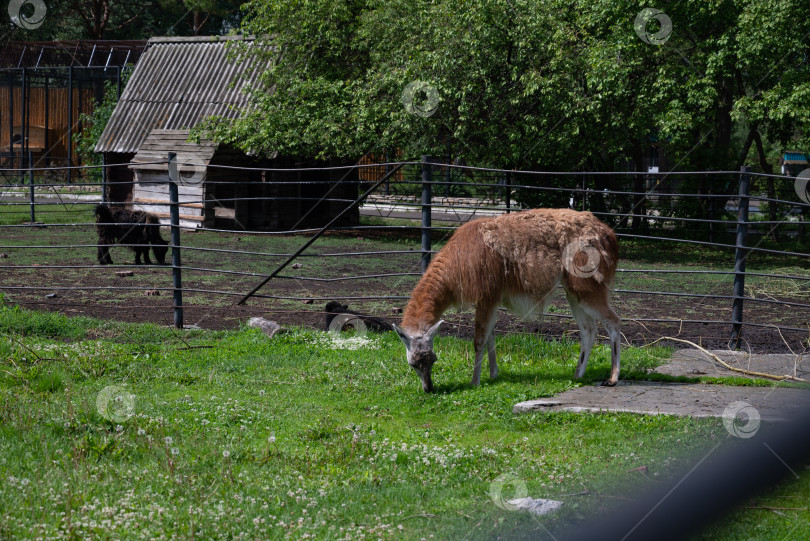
598, 308
493, 361
587, 333
484, 322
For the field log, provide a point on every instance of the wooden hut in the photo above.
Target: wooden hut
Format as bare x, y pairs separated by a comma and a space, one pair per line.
178, 83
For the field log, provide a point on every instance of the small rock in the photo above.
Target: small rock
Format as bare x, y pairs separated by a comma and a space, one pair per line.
152, 293
535, 507
268, 327
297, 265
125, 273
308, 301
51, 296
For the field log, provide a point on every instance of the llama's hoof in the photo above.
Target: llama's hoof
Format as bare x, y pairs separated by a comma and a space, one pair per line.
609, 383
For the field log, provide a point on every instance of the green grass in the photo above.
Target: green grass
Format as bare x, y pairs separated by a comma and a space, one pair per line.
228, 434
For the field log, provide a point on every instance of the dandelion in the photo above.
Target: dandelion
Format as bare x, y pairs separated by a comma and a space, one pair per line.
261, 392
168, 440
119, 428
272, 438
175, 451
226, 453
24, 481
141, 431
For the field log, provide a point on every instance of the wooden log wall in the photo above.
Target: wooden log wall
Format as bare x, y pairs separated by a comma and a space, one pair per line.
11, 100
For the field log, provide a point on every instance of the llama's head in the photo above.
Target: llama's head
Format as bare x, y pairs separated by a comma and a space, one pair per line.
160, 248
419, 348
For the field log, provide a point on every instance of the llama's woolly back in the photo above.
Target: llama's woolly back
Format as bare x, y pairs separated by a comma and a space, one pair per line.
513, 255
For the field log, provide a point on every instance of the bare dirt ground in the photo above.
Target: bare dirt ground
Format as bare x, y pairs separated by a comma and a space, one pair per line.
93, 290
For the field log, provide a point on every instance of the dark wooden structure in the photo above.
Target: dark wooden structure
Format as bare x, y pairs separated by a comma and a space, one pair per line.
178, 83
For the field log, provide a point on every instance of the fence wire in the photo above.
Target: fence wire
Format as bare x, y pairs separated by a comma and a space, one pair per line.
676, 212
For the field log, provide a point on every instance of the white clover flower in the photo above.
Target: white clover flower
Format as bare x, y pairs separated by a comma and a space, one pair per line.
175, 451
141, 431
119, 428
168, 440
272, 438
226, 453
261, 392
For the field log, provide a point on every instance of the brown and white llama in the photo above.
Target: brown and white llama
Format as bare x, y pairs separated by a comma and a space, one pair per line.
516, 260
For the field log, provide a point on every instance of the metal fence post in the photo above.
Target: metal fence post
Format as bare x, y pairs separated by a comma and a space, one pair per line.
426, 208
31, 183
508, 195
174, 214
70, 123
740, 257
103, 177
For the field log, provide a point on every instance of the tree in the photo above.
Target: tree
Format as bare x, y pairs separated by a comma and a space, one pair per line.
525, 84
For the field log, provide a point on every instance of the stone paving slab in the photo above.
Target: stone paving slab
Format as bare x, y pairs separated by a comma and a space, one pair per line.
683, 399
694, 363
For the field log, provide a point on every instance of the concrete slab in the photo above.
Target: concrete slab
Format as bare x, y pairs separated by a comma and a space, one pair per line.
694, 363
695, 400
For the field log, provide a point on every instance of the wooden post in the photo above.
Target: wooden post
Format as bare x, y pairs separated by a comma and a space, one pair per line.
174, 214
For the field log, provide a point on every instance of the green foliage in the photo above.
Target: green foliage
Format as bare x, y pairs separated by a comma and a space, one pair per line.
522, 84
94, 124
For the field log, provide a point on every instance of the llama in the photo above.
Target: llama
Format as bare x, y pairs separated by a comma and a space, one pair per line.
516, 260
136, 228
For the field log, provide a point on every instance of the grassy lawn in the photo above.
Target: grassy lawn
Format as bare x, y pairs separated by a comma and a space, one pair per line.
112, 430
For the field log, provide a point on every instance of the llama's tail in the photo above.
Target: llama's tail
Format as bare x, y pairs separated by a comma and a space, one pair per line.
103, 214
591, 259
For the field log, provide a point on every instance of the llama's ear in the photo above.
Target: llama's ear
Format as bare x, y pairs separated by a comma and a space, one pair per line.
431, 332
404, 336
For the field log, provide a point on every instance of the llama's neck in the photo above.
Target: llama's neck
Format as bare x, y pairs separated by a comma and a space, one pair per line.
429, 300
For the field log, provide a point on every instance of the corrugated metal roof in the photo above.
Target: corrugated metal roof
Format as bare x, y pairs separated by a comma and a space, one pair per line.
177, 83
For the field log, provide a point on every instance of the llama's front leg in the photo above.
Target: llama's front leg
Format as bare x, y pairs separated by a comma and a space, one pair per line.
484, 321
103, 253
146, 259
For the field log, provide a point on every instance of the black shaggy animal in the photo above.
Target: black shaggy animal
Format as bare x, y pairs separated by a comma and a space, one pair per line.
334, 309
136, 228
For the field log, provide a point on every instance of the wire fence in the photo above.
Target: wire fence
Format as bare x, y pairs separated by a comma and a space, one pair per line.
719, 257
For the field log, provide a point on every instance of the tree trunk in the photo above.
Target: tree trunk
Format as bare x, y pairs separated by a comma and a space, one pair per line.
771, 187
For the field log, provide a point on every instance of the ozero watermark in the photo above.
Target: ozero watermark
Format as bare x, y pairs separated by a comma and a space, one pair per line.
191, 171
341, 321
581, 258
642, 26
115, 403
420, 98
27, 14
506, 489
741, 419
802, 185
